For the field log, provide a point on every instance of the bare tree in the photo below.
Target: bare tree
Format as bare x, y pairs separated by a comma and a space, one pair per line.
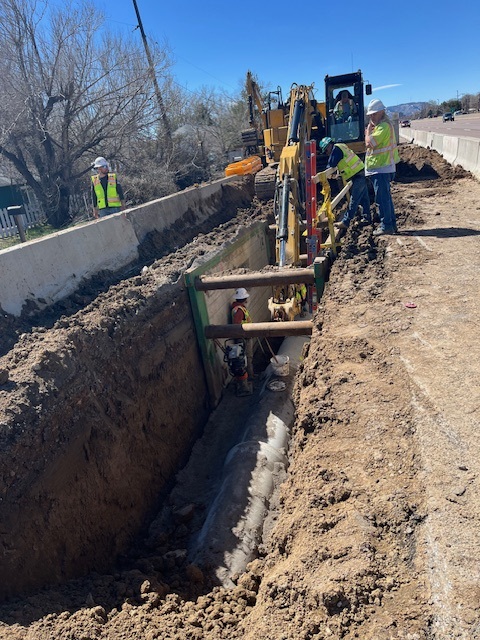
69, 91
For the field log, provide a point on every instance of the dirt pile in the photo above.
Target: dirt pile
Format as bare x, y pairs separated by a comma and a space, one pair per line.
419, 163
377, 533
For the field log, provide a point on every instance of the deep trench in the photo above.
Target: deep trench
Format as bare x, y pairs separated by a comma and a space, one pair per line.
104, 405
102, 409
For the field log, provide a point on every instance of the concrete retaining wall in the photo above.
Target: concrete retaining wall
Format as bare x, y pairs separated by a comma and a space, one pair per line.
51, 268
457, 151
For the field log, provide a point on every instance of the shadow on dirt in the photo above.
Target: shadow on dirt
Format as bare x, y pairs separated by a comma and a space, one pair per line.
452, 232
407, 172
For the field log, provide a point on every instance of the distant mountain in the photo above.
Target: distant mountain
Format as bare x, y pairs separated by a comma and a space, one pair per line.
409, 109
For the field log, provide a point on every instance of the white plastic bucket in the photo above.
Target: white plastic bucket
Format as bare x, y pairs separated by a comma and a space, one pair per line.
280, 365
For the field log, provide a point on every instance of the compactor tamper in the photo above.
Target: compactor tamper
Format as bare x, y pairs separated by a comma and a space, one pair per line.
236, 359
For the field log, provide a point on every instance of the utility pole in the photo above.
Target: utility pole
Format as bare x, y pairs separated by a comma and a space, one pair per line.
151, 68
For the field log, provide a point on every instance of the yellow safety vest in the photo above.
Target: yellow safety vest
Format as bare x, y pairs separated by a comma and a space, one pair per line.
301, 292
350, 164
386, 151
246, 315
113, 199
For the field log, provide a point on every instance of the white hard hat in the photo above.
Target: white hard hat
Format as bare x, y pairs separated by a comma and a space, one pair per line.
241, 294
375, 106
100, 162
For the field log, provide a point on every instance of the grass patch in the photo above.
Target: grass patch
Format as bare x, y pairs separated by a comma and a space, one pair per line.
31, 234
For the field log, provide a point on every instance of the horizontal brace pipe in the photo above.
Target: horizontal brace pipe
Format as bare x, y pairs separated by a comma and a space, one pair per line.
255, 279
259, 329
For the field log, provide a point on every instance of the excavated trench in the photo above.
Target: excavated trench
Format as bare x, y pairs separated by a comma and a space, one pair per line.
102, 408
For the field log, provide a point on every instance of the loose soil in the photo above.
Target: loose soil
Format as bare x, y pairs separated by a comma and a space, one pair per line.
376, 533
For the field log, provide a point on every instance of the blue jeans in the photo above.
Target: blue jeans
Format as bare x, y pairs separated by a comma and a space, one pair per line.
383, 197
358, 196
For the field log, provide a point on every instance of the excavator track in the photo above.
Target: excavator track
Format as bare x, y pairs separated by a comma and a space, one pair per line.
265, 182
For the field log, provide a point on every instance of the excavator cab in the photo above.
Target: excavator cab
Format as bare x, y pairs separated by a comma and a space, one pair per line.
345, 120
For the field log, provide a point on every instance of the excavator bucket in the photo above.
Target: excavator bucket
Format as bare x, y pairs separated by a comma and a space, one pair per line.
252, 164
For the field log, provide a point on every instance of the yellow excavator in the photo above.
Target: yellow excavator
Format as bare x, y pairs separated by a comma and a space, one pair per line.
284, 136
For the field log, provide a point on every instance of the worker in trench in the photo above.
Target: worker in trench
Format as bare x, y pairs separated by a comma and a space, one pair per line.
241, 315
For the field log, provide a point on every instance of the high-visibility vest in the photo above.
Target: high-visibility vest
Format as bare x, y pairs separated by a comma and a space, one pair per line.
338, 108
113, 199
301, 292
386, 151
246, 315
350, 164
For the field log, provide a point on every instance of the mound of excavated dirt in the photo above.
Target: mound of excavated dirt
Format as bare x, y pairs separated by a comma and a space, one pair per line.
377, 531
419, 163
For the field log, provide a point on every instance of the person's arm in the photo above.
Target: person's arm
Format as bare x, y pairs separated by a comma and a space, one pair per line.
94, 200
237, 315
121, 196
370, 142
334, 158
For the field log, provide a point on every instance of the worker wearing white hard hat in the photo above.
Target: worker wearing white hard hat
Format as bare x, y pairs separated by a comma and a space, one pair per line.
374, 106
107, 192
380, 160
100, 162
241, 315
241, 294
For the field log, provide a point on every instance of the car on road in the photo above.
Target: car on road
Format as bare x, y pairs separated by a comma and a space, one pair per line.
405, 123
448, 116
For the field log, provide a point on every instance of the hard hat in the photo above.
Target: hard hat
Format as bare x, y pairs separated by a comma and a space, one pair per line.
375, 106
100, 162
324, 142
241, 294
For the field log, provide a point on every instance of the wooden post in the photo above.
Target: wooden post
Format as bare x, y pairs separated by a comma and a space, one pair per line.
17, 212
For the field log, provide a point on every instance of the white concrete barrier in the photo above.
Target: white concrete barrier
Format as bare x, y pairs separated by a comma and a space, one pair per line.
457, 151
468, 155
51, 268
48, 269
437, 142
449, 148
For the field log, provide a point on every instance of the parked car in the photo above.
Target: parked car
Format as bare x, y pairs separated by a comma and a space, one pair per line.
459, 113
448, 116
405, 123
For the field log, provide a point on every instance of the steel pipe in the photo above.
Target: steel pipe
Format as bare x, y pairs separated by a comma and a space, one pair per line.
259, 329
255, 279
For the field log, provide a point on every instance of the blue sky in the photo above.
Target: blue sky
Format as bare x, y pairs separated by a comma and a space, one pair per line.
409, 51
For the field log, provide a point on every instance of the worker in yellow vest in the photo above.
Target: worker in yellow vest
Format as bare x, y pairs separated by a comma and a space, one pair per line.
107, 192
241, 315
350, 167
380, 160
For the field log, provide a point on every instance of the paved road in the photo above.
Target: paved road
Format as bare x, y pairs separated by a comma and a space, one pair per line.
467, 126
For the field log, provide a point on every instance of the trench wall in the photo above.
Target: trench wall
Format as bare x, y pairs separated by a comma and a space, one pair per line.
49, 269
103, 413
